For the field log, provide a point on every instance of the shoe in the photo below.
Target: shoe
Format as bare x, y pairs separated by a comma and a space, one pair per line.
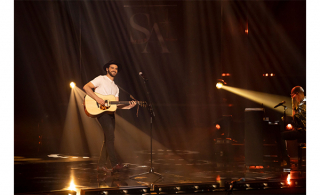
102, 169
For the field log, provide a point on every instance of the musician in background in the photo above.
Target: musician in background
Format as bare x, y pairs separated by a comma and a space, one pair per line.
105, 85
299, 123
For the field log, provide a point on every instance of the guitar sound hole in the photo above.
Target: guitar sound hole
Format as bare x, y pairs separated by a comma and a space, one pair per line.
102, 107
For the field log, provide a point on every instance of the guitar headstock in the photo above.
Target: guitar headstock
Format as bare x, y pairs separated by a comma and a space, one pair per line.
142, 103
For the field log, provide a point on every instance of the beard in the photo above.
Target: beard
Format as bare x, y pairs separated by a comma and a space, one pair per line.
113, 74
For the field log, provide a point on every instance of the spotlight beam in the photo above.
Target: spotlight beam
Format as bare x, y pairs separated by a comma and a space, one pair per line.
71, 140
92, 128
268, 100
129, 138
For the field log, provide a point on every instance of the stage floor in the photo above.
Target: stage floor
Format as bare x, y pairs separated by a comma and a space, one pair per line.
56, 172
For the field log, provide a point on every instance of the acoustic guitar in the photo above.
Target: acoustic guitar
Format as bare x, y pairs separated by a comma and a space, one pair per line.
93, 109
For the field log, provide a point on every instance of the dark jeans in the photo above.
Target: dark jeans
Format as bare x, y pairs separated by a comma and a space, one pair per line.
300, 136
107, 122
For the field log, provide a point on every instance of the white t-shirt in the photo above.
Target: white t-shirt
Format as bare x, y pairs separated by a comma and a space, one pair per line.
105, 86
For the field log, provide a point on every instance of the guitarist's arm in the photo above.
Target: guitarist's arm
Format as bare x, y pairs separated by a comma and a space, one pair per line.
88, 89
121, 106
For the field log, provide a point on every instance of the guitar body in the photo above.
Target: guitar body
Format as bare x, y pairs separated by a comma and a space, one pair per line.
93, 109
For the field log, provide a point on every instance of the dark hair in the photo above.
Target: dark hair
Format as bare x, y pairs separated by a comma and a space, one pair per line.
107, 65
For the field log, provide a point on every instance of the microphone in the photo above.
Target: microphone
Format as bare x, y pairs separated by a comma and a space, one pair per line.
280, 104
143, 77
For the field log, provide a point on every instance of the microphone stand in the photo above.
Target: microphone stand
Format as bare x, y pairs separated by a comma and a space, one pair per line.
284, 124
152, 115
284, 117
284, 114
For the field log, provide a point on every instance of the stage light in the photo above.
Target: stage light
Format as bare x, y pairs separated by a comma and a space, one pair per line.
72, 186
218, 126
219, 85
72, 85
289, 127
288, 179
186, 188
225, 74
269, 74
118, 190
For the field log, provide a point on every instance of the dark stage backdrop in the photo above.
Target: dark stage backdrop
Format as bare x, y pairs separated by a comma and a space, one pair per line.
182, 47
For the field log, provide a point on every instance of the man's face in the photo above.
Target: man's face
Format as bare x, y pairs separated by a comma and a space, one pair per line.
112, 70
296, 97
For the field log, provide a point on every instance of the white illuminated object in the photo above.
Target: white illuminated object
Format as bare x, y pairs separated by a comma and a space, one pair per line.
289, 127
54, 156
219, 85
72, 186
288, 179
72, 85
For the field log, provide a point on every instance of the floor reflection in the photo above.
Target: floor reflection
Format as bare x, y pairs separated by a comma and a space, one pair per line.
54, 172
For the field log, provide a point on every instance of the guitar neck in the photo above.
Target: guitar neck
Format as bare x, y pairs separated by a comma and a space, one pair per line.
120, 102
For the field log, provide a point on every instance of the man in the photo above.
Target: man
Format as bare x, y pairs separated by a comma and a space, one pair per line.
299, 123
104, 85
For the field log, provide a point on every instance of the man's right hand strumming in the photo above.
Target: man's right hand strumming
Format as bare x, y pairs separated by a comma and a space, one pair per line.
100, 101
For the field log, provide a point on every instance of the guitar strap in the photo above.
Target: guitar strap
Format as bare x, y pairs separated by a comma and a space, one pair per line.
131, 96
127, 93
